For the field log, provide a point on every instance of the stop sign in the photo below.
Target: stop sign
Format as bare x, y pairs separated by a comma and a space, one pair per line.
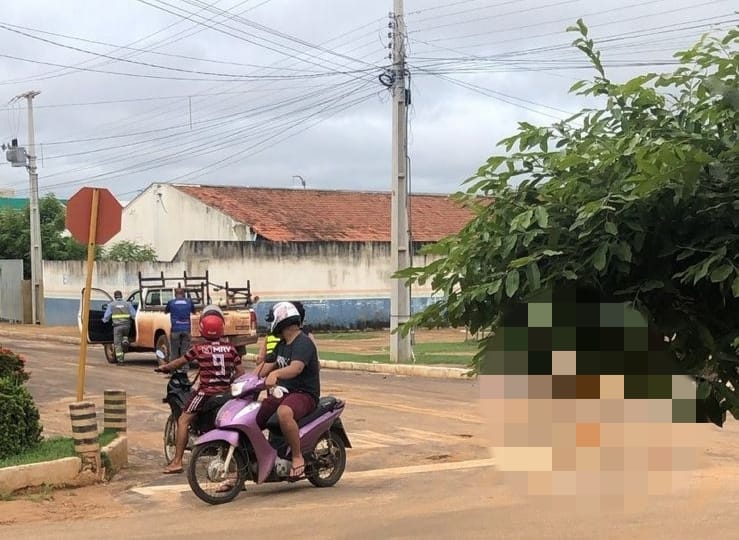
79, 209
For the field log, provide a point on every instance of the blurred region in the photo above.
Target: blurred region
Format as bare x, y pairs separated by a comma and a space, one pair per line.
587, 409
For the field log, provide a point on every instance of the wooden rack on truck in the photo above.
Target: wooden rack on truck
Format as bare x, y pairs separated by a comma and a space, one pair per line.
236, 296
197, 286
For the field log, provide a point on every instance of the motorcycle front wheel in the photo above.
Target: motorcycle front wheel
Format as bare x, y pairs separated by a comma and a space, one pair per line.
207, 476
170, 436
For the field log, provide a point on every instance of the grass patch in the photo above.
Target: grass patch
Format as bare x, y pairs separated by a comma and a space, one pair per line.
349, 336
384, 358
441, 348
46, 450
51, 449
107, 436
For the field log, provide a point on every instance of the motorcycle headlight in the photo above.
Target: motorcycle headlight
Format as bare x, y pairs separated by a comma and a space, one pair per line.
237, 388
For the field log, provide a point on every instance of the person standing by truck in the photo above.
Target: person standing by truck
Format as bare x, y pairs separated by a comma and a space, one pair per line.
179, 308
121, 313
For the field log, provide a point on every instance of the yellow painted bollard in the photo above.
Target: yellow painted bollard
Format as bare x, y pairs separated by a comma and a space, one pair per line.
114, 410
85, 434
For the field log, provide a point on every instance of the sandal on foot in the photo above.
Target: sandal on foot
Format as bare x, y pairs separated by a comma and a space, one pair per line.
226, 486
298, 473
172, 471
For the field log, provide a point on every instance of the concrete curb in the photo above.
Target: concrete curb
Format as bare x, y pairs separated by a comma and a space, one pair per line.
117, 452
65, 471
40, 337
59, 471
409, 370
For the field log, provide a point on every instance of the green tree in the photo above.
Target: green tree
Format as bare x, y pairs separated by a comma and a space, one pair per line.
15, 234
637, 198
125, 251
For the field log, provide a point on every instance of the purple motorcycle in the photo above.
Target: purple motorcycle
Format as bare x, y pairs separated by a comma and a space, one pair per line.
236, 450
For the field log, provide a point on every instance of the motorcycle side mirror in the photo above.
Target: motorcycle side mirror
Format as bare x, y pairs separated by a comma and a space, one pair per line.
160, 354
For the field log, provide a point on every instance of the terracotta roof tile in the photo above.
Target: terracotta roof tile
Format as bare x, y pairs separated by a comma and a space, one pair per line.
305, 215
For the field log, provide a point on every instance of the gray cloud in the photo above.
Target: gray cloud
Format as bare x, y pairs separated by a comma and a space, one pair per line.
452, 129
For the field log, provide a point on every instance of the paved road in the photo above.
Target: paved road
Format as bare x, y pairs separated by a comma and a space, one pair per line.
419, 469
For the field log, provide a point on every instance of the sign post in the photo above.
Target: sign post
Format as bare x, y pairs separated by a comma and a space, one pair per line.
86, 298
94, 217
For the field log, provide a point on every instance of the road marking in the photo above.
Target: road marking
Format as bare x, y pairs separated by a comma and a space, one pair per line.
430, 412
358, 475
417, 469
365, 439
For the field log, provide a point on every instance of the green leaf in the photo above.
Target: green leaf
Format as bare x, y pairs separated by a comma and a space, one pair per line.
651, 285
611, 228
579, 84
551, 253
703, 390
623, 251
542, 216
534, 276
522, 221
599, 258
523, 261
721, 273
511, 283
494, 287
569, 274
735, 287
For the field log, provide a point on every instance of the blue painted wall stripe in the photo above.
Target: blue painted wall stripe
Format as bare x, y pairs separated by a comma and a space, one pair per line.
330, 314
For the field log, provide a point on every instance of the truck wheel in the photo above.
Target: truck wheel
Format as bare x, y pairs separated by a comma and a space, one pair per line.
109, 353
162, 344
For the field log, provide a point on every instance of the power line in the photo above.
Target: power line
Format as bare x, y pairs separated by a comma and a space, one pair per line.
244, 37
496, 16
18, 29
231, 76
518, 27
62, 72
234, 139
219, 138
152, 114
443, 6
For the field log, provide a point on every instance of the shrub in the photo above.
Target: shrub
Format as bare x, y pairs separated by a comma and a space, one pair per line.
20, 426
12, 366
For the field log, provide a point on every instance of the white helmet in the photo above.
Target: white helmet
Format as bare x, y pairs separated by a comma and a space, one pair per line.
285, 314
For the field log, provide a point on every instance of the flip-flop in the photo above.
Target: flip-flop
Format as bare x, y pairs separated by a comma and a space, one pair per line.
226, 486
172, 471
299, 473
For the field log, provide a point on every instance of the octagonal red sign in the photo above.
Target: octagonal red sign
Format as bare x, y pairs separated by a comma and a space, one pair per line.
79, 208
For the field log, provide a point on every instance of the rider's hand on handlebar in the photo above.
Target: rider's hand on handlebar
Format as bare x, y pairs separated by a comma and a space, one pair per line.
271, 380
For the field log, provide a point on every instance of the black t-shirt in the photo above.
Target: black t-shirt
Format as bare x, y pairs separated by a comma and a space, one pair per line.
303, 349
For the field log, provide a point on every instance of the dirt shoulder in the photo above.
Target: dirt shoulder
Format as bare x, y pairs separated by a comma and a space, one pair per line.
355, 342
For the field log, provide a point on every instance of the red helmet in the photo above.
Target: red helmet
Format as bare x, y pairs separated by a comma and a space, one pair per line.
212, 324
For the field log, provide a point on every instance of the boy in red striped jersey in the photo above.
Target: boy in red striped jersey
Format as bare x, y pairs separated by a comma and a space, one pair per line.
219, 365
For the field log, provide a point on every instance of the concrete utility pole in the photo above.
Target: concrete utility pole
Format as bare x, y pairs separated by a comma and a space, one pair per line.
37, 279
400, 301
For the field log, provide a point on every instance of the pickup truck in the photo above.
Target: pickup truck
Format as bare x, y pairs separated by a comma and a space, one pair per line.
151, 328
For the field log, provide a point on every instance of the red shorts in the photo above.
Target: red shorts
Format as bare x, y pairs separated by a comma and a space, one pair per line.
300, 403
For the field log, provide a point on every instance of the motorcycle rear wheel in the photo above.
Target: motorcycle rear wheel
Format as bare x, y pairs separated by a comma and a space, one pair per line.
331, 456
211, 457
170, 436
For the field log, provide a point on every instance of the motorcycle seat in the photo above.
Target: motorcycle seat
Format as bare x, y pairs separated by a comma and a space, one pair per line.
325, 404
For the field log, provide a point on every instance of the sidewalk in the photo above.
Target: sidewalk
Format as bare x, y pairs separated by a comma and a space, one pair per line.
70, 335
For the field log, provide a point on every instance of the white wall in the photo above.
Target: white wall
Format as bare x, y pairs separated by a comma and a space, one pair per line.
311, 271
346, 285
164, 217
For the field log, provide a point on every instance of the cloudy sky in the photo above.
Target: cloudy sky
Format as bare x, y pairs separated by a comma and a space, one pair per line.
254, 92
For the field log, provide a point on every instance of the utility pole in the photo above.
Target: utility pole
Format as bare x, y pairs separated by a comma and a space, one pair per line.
37, 280
400, 301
